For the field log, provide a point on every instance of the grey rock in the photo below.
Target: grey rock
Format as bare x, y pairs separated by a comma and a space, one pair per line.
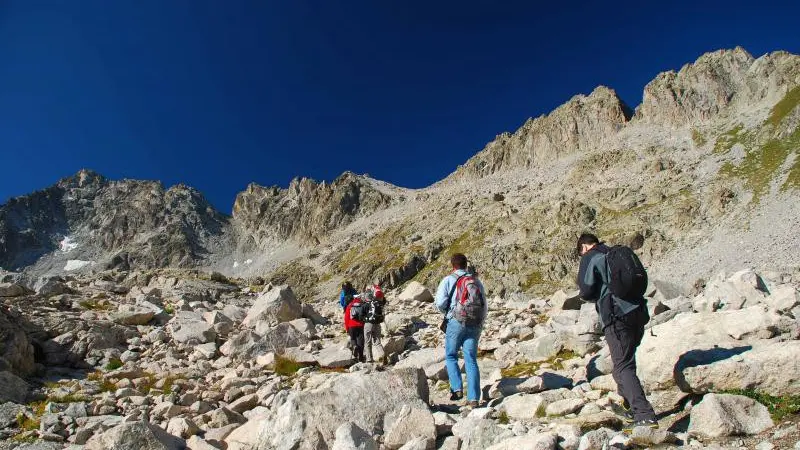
543, 441
132, 315
350, 437
416, 292
726, 415
771, 367
12, 290
408, 424
134, 436
698, 338
8, 414
272, 307
334, 357
479, 434
596, 439
541, 348
523, 406
311, 417
12, 388
563, 407
190, 328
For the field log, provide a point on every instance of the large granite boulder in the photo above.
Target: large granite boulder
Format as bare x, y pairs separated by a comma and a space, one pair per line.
309, 419
272, 307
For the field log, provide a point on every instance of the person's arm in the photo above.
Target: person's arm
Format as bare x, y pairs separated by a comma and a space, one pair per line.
341, 299
485, 301
588, 279
441, 301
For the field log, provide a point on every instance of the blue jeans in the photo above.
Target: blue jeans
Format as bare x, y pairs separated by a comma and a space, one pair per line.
464, 338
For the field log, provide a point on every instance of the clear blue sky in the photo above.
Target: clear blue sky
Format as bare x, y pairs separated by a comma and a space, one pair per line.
216, 94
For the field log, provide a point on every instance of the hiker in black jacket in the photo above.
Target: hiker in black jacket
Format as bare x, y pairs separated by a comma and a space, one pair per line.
623, 325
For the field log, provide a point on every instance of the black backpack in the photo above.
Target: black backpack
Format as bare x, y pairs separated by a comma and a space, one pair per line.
358, 311
374, 312
627, 276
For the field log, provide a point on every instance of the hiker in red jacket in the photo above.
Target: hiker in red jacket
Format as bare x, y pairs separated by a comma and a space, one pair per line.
354, 325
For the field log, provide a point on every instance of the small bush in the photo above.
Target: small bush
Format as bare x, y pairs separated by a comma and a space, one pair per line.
285, 366
779, 407
169, 309
94, 305
502, 418
114, 364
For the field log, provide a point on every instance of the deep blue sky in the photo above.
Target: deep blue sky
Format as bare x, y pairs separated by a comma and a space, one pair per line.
217, 94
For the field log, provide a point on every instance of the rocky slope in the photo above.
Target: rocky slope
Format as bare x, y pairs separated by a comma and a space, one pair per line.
175, 359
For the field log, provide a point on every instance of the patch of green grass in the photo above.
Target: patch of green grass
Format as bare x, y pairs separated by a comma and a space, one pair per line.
784, 107
502, 418
104, 384
760, 166
792, 143
698, 138
114, 364
286, 366
779, 407
169, 383
528, 369
94, 305
728, 139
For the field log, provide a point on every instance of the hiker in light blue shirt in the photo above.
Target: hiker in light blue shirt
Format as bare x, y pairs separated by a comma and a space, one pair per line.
460, 336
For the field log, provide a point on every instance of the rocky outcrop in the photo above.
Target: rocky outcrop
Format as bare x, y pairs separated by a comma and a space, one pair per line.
728, 415
16, 351
306, 211
124, 223
717, 81
581, 124
310, 419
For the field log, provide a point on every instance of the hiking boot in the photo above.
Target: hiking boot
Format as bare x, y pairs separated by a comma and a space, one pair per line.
649, 423
455, 396
622, 411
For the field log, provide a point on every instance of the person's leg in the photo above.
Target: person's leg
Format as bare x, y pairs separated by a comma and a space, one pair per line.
360, 344
470, 350
368, 330
352, 333
452, 343
377, 335
622, 342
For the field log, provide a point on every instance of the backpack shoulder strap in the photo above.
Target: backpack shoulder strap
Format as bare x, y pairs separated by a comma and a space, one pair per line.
453, 289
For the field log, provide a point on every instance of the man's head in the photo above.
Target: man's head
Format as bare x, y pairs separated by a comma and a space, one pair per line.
586, 242
458, 261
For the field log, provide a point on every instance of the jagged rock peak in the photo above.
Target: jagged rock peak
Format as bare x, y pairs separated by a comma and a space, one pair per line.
82, 178
307, 209
720, 82
581, 123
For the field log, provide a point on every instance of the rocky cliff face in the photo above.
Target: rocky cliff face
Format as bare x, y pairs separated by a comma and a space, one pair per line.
306, 210
583, 123
716, 82
118, 223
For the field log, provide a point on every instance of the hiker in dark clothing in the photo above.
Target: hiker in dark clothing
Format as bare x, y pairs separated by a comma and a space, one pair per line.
354, 325
346, 294
623, 325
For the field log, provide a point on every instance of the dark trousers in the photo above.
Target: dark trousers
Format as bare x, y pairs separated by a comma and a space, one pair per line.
357, 342
623, 336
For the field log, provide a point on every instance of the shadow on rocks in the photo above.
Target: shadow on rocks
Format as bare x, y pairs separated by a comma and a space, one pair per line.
694, 358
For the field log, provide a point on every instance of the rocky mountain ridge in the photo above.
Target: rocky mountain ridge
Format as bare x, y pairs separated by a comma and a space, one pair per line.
711, 148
